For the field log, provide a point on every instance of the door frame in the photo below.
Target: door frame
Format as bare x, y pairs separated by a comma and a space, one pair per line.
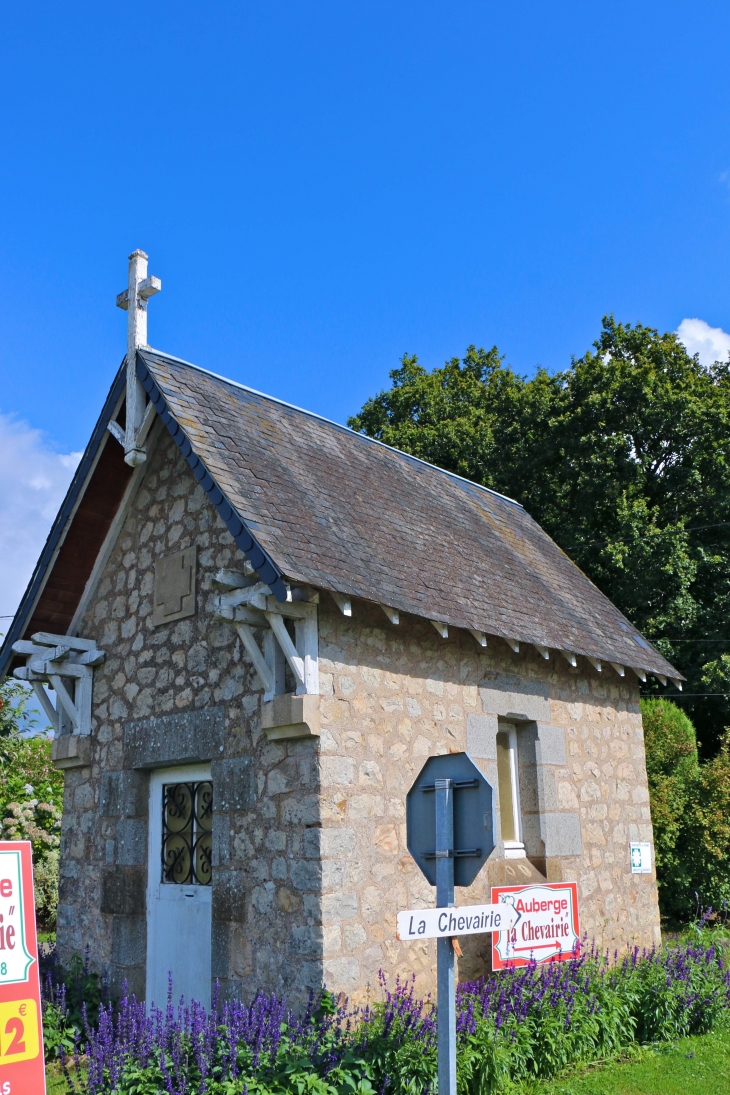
179, 773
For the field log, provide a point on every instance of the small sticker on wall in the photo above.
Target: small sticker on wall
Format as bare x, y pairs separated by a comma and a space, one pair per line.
640, 858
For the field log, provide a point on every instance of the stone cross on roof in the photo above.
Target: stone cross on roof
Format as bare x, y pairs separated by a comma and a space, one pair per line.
134, 299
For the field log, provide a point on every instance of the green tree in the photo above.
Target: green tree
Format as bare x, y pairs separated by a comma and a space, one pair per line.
673, 770
690, 811
624, 458
14, 718
31, 794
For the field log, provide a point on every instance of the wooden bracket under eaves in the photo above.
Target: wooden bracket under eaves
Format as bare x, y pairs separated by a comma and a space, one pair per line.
248, 605
65, 664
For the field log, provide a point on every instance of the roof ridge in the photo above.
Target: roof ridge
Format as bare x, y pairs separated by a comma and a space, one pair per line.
331, 422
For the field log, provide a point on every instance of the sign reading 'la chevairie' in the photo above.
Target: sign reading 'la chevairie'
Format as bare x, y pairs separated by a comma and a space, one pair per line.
445, 923
547, 929
22, 1070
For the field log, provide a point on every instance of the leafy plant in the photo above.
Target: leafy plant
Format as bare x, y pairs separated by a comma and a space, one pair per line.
31, 799
516, 1025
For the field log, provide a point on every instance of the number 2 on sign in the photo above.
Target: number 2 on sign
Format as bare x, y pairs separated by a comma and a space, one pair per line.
18, 1033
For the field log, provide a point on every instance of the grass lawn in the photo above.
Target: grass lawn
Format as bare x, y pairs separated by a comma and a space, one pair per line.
692, 1066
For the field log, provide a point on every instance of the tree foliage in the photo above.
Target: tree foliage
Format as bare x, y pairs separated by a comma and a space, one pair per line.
31, 800
690, 811
14, 718
624, 458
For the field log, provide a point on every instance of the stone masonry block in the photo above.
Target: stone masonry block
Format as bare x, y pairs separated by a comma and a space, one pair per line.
123, 890
229, 893
515, 698
481, 736
174, 739
547, 791
306, 940
124, 794
221, 850
531, 834
330, 843
233, 784
66, 916
220, 949
129, 940
561, 834
339, 906
229, 991
550, 746
127, 978
131, 843
306, 874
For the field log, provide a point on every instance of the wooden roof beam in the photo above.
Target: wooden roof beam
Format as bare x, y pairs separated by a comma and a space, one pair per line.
480, 637
570, 658
542, 651
343, 603
443, 629
392, 614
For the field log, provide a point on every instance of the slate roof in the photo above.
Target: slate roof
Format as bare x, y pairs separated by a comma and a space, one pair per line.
329, 507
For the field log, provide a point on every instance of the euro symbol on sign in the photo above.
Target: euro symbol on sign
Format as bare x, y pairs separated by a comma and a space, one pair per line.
22, 1009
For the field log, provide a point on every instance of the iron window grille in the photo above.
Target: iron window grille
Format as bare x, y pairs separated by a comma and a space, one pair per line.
187, 833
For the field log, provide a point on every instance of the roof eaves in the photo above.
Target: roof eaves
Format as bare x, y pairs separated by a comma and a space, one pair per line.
60, 525
337, 425
260, 560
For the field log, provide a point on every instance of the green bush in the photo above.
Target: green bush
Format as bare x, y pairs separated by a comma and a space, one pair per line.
31, 800
690, 810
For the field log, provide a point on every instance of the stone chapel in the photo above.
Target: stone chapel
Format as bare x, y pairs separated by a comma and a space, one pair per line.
250, 627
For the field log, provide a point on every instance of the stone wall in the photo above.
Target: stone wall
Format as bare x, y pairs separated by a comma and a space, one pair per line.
310, 863
394, 695
151, 693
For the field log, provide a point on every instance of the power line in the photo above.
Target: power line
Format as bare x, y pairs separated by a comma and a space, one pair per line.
690, 528
683, 695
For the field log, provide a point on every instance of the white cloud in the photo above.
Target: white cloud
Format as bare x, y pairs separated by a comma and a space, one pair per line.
711, 343
33, 481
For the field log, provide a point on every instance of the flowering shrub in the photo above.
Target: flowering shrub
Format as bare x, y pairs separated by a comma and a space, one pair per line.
512, 1026
31, 797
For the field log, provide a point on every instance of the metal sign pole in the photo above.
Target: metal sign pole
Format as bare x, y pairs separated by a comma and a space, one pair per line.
446, 980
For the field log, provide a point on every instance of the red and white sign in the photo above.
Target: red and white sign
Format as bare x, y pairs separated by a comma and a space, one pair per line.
547, 928
22, 1070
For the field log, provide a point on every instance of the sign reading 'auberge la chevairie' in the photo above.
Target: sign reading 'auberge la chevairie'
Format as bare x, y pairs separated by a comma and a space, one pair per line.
547, 929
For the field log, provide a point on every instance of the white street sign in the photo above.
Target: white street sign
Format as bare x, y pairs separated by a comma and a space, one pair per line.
443, 923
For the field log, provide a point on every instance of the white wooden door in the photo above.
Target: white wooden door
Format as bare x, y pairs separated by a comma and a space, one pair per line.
179, 885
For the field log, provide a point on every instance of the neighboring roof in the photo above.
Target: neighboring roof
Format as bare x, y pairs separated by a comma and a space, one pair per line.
340, 511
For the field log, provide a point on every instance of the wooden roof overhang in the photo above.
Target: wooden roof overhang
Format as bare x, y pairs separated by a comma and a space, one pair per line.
76, 537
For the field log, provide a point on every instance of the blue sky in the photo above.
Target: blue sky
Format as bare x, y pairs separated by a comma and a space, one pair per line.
324, 186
